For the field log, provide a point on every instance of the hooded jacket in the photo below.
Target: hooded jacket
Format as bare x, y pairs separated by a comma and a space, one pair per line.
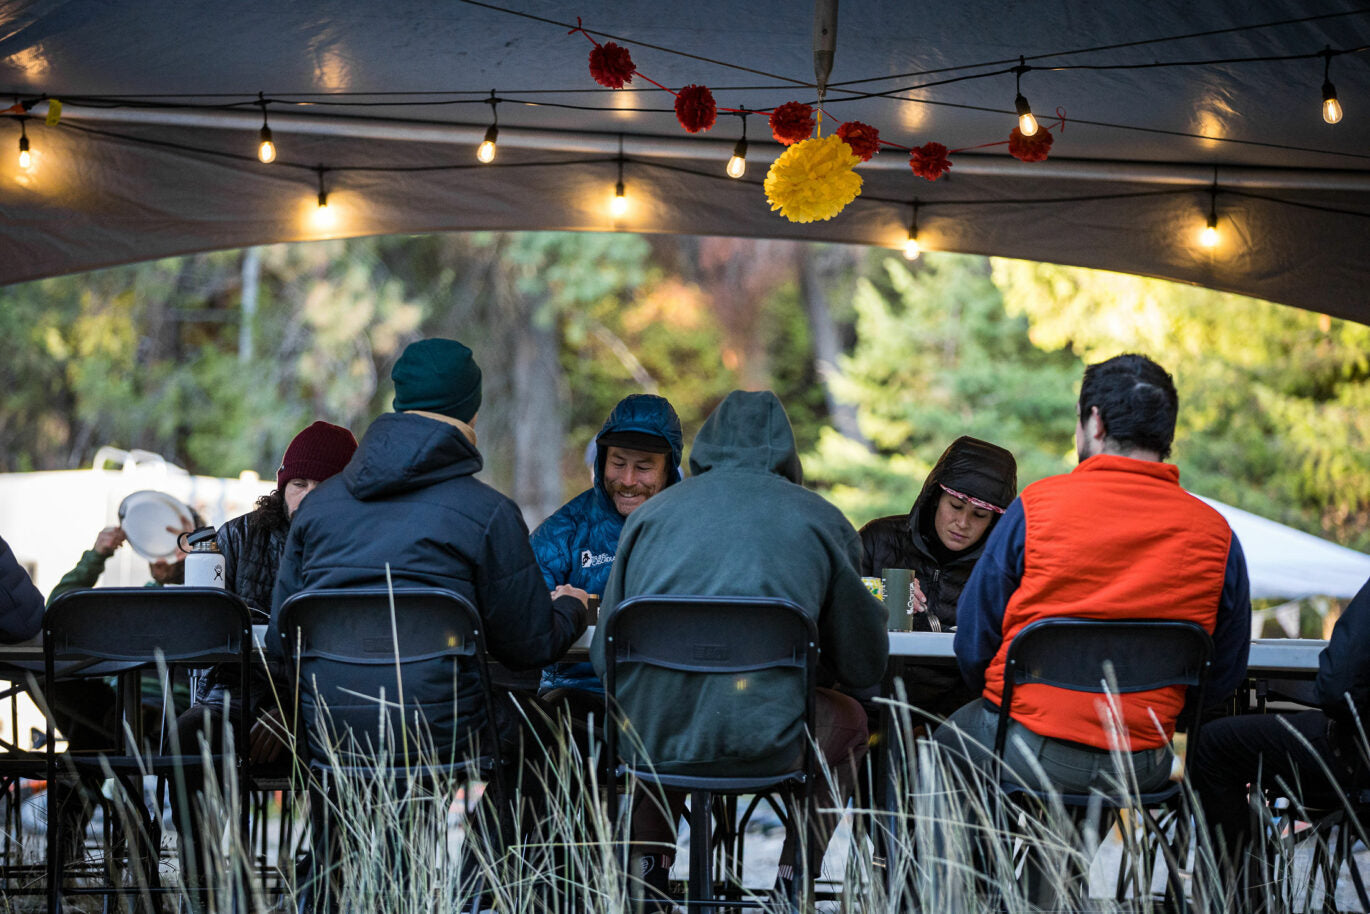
741, 525
971, 466
21, 605
577, 544
409, 499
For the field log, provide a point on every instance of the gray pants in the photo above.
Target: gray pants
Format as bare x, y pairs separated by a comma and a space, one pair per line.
1067, 767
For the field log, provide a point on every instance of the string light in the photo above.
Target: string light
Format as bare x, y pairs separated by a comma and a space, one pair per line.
25, 160
1209, 236
1027, 124
618, 203
266, 148
323, 217
323, 191
1331, 108
911, 246
485, 152
737, 165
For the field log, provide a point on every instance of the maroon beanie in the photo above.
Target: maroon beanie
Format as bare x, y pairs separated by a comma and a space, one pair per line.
316, 453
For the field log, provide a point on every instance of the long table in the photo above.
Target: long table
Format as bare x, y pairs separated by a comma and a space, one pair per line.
1294, 657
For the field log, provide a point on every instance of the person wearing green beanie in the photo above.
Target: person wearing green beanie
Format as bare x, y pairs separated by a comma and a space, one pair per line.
437, 376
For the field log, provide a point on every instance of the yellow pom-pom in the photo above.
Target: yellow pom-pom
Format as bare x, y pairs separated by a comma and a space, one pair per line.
813, 180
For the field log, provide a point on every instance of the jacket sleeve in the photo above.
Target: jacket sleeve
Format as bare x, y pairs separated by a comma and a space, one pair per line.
525, 628
289, 581
82, 577
614, 589
1343, 673
551, 543
229, 540
1232, 631
852, 629
21, 605
980, 611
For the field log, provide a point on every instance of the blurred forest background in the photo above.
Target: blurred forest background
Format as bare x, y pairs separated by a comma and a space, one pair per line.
215, 361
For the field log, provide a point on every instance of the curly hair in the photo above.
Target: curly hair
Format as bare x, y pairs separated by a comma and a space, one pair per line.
271, 512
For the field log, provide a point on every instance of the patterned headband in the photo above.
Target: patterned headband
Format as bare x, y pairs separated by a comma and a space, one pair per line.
975, 501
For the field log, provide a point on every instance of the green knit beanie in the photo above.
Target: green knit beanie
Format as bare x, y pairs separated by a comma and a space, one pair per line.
437, 376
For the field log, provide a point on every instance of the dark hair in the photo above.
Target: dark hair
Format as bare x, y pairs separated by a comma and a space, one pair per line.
271, 512
1136, 400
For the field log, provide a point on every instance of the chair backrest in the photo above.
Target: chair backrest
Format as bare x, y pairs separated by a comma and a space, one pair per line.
352, 650
1141, 654
202, 625
713, 636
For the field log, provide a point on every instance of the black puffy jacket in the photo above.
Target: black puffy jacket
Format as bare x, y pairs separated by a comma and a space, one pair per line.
971, 466
252, 548
409, 499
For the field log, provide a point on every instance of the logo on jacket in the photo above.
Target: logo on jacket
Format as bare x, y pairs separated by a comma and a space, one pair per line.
589, 560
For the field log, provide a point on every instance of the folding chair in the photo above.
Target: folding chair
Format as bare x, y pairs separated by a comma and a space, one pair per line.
137, 628
1119, 656
356, 660
715, 636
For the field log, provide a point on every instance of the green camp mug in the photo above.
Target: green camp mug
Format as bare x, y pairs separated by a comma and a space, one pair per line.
897, 588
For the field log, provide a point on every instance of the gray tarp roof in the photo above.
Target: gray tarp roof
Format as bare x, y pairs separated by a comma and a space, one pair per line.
154, 153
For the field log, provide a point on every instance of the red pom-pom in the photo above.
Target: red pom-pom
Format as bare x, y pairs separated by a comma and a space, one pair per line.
611, 65
929, 161
792, 123
1030, 148
863, 139
695, 108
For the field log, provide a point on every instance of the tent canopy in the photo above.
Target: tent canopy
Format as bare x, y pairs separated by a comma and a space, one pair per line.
1287, 564
382, 105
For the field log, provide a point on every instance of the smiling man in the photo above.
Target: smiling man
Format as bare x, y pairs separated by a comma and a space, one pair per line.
637, 454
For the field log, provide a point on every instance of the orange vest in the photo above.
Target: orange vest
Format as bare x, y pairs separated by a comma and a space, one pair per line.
1115, 539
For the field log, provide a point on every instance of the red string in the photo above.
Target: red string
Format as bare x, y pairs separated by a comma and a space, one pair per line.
581, 29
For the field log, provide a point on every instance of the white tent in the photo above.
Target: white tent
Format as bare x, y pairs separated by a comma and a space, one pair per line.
1286, 563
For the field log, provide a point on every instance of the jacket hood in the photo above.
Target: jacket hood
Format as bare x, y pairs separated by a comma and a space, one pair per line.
749, 430
649, 415
975, 468
402, 452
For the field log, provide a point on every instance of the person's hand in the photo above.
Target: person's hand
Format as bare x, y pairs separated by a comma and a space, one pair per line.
266, 739
108, 540
564, 590
920, 600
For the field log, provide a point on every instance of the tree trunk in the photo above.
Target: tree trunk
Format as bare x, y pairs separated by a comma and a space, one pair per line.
823, 330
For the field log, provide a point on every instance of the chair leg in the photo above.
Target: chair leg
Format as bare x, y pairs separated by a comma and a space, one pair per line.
701, 852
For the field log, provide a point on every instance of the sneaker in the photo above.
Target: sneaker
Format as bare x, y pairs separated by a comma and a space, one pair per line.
652, 893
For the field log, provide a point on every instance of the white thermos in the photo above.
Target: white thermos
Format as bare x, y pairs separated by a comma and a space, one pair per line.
204, 562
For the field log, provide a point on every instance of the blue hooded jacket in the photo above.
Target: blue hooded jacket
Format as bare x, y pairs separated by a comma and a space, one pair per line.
576, 545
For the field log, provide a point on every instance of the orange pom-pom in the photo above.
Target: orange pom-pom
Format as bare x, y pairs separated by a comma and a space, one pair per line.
611, 65
929, 161
792, 122
863, 139
1030, 148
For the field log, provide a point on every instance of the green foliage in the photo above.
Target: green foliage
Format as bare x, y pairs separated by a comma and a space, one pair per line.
936, 357
1273, 400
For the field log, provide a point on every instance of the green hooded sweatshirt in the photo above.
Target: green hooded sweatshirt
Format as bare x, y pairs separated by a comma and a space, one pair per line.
741, 525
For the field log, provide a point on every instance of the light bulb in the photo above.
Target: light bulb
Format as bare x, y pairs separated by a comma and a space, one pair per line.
266, 150
24, 158
1331, 108
485, 152
912, 248
618, 204
1027, 124
1209, 236
737, 165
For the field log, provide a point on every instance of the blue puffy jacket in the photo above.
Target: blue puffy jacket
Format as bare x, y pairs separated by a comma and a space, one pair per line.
576, 545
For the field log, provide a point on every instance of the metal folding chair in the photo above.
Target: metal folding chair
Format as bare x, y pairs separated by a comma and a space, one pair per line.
134, 629
366, 673
1119, 656
714, 636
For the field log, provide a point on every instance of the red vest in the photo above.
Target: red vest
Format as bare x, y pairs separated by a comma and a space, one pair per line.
1115, 539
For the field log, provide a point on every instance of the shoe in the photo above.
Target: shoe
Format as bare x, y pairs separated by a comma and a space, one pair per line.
650, 892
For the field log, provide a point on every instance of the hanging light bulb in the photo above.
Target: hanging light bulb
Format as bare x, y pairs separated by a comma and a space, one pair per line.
1331, 108
911, 246
1027, 124
485, 152
323, 216
618, 204
1209, 236
266, 148
737, 164
25, 160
